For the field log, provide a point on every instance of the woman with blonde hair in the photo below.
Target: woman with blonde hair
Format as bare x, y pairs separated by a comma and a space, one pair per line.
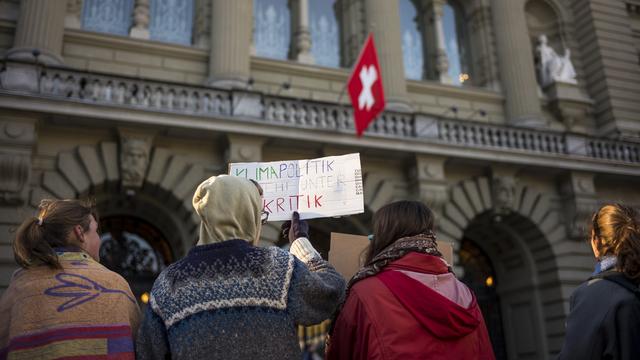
604, 322
61, 302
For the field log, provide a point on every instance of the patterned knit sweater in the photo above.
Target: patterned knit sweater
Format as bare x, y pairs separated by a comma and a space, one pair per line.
231, 300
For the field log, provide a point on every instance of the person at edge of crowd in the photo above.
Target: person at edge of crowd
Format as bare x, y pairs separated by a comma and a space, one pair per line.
230, 299
406, 303
62, 303
604, 317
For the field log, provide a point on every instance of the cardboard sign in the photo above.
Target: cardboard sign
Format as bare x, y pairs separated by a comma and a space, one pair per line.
347, 251
323, 187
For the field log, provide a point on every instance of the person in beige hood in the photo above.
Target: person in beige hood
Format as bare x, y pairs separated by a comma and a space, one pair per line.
228, 298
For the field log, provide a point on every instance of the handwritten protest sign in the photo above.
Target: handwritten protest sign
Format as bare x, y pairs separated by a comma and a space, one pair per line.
323, 187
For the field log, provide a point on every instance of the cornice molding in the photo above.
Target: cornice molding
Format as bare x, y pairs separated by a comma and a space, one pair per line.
138, 101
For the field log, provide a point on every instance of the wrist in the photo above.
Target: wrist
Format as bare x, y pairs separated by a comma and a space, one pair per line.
303, 250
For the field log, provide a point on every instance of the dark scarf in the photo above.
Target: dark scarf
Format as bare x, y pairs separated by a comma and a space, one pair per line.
421, 243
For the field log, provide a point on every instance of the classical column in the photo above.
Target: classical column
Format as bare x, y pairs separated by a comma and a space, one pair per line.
517, 70
350, 14
485, 64
383, 20
40, 26
301, 44
437, 64
230, 41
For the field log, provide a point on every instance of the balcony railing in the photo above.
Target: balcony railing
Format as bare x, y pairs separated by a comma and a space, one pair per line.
169, 97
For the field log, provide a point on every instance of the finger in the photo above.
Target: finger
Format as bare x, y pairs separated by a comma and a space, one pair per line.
296, 216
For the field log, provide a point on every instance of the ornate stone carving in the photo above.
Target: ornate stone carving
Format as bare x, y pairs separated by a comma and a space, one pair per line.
15, 170
202, 27
16, 141
570, 106
74, 10
134, 158
244, 148
553, 67
503, 193
140, 27
579, 203
429, 181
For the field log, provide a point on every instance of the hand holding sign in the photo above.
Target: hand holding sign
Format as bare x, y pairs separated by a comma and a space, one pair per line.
295, 228
323, 187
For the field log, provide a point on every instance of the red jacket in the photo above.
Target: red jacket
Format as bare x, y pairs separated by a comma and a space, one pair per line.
413, 309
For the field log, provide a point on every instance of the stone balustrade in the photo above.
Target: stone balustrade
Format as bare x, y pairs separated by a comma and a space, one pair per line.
157, 96
151, 95
500, 137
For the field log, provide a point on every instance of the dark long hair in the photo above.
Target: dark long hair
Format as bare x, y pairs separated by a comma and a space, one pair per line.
37, 236
397, 220
617, 232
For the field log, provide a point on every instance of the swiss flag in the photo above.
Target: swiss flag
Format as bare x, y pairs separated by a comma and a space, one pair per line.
365, 87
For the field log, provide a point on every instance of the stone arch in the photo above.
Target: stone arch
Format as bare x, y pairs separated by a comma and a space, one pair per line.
519, 238
164, 197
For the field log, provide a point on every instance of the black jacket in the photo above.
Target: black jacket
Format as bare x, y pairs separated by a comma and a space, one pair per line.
604, 320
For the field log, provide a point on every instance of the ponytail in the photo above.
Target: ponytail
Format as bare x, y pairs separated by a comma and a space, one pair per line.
37, 237
629, 252
617, 230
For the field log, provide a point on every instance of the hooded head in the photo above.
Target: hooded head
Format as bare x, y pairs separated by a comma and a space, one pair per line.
229, 208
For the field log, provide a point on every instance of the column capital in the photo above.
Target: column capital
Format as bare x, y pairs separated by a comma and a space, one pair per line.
517, 69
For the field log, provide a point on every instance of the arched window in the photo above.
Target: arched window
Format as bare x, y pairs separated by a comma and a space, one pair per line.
456, 44
325, 34
272, 29
412, 45
108, 16
171, 21
135, 249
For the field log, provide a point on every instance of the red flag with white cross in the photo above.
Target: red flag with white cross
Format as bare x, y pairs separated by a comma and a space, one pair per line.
365, 87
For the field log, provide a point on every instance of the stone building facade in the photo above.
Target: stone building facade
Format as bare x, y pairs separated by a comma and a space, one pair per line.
134, 102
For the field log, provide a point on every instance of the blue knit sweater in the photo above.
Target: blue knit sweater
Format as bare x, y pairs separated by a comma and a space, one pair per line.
232, 300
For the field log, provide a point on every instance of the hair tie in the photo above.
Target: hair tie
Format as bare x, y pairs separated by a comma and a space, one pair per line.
39, 221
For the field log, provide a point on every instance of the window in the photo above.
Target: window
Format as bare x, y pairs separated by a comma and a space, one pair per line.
171, 21
412, 45
325, 35
455, 44
108, 16
434, 41
272, 30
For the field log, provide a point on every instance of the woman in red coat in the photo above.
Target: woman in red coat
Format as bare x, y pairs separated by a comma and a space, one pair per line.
406, 303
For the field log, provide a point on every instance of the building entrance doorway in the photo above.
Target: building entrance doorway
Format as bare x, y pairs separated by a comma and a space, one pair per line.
135, 249
480, 277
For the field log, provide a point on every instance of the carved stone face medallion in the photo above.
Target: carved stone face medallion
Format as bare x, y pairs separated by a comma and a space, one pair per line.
503, 194
134, 158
